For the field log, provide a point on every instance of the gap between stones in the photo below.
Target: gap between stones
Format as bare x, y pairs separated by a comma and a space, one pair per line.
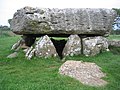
59, 46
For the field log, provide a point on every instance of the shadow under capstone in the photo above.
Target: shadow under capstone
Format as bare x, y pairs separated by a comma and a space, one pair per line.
59, 45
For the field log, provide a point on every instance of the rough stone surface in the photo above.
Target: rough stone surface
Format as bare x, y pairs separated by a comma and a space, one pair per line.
94, 45
29, 53
13, 55
45, 48
26, 50
19, 44
24, 46
16, 46
73, 46
87, 73
115, 43
30, 20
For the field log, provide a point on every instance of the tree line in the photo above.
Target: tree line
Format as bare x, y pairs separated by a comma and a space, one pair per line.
4, 28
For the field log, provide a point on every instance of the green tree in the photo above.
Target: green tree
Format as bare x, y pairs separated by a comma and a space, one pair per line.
117, 10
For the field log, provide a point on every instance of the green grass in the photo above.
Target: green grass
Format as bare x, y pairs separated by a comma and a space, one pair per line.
6, 33
114, 37
60, 38
42, 74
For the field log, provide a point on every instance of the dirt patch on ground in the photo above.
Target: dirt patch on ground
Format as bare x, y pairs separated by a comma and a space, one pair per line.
87, 73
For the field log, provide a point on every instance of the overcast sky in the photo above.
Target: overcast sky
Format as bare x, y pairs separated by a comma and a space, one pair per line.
9, 7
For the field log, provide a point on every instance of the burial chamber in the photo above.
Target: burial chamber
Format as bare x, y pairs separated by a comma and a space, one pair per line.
84, 27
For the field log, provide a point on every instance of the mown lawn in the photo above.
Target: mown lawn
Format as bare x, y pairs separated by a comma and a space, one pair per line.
42, 74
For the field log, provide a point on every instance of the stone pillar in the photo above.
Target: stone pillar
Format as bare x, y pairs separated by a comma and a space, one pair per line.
45, 48
73, 46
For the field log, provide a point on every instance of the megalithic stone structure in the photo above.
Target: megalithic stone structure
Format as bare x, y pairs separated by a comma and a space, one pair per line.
84, 21
85, 28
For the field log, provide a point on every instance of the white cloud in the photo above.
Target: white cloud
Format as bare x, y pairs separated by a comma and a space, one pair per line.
9, 7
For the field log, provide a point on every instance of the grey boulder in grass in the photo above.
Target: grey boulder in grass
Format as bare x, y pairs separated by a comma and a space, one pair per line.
87, 73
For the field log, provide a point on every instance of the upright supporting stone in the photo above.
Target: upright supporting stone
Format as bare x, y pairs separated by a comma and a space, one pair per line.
28, 53
31, 54
16, 46
45, 48
19, 44
93, 45
73, 46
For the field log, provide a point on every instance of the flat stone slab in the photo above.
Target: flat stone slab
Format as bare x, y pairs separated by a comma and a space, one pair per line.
87, 73
87, 21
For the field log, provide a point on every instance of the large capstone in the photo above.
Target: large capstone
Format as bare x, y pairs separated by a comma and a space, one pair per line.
94, 45
73, 46
88, 21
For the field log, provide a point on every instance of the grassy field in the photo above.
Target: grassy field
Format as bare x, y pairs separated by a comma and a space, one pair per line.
114, 37
6, 33
42, 74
